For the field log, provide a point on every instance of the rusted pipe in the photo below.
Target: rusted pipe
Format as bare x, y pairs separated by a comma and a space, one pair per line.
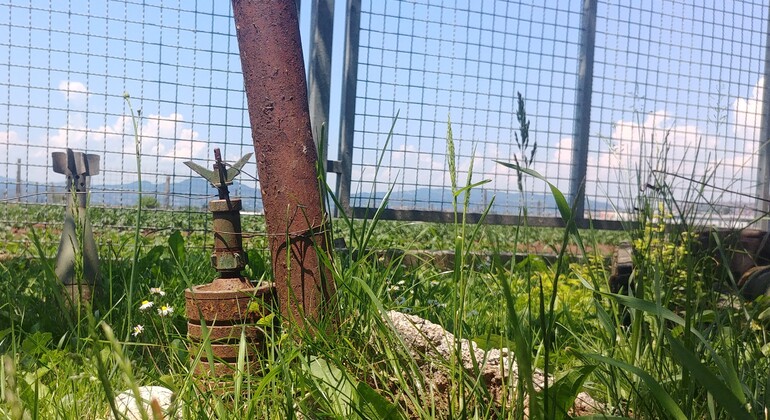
228, 257
274, 77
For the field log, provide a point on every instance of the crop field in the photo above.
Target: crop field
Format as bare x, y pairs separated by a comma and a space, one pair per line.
679, 343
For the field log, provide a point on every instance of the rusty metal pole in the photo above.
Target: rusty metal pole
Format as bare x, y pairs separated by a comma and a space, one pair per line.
274, 77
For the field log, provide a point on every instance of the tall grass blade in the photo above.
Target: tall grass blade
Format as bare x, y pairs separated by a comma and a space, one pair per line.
733, 403
657, 391
522, 351
565, 210
729, 375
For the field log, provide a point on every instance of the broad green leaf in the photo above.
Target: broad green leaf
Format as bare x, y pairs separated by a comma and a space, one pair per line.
563, 391
152, 258
334, 384
240, 365
176, 244
36, 344
372, 405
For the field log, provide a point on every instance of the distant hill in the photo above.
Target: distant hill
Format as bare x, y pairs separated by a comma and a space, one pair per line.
438, 199
191, 192
196, 193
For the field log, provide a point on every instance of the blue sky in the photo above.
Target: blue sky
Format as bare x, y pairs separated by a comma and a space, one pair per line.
661, 66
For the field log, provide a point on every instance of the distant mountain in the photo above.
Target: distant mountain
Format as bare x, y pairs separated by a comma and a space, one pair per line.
440, 199
192, 192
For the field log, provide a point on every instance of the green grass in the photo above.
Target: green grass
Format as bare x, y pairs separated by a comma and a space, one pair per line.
680, 355
673, 346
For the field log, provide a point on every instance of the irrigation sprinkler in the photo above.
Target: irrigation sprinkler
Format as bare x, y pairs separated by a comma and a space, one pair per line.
77, 239
276, 91
222, 309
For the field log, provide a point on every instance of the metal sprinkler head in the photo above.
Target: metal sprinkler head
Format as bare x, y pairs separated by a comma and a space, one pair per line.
224, 306
78, 167
228, 257
220, 177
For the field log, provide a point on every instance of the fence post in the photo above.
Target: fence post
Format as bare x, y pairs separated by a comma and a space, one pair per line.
348, 103
581, 133
18, 180
167, 192
763, 165
322, 33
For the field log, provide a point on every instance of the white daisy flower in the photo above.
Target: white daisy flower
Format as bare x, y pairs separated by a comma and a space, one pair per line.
157, 291
138, 329
146, 304
165, 310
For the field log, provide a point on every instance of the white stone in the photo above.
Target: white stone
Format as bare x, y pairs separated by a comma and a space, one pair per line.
127, 406
426, 341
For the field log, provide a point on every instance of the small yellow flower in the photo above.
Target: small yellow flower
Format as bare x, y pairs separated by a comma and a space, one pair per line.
165, 310
146, 304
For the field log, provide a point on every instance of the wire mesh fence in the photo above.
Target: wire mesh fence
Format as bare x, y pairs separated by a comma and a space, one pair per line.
618, 94
120, 79
678, 100
424, 64
674, 98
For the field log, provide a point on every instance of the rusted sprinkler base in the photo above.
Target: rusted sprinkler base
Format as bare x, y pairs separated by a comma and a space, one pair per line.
218, 313
746, 248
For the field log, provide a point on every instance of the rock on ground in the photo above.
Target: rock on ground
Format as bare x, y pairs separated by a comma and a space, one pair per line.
156, 400
429, 342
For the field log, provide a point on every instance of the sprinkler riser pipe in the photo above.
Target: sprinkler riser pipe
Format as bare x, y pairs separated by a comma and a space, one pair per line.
228, 257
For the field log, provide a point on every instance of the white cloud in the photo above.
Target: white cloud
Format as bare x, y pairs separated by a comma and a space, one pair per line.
170, 137
688, 153
72, 90
747, 113
8, 137
166, 141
